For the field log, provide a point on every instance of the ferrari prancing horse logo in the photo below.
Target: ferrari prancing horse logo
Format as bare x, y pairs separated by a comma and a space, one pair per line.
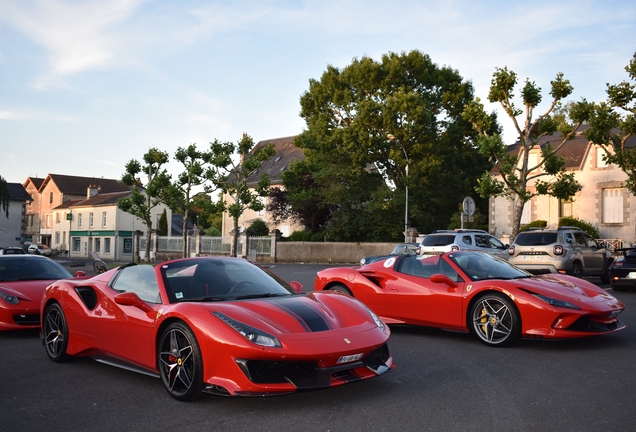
347, 340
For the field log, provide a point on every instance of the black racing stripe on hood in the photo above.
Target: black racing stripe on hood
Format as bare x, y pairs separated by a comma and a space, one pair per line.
310, 318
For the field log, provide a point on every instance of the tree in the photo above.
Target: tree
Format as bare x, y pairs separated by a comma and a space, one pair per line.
5, 196
141, 204
180, 192
162, 226
233, 177
514, 168
358, 174
612, 129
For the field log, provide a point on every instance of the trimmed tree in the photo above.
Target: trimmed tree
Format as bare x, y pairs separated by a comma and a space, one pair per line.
515, 170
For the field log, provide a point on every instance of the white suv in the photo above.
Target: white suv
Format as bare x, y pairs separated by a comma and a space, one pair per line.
442, 241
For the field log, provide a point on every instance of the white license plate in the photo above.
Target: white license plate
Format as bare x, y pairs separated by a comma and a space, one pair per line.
349, 358
631, 275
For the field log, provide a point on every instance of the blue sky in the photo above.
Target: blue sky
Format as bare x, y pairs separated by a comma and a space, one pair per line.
87, 85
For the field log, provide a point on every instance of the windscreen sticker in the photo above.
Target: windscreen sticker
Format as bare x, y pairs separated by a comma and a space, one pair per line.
389, 263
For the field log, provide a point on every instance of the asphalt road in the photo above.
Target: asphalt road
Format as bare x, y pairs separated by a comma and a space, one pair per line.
444, 382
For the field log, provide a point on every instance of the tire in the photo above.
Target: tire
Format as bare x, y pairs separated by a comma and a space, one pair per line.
342, 289
576, 270
179, 362
606, 277
55, 333
495, 320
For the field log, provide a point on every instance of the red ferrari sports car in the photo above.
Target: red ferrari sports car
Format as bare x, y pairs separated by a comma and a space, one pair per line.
23, 279
217, 325
474, 291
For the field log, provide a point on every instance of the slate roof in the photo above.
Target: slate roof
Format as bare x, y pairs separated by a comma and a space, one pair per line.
102, 199
73, 185
37, 182
17, 192
286, 153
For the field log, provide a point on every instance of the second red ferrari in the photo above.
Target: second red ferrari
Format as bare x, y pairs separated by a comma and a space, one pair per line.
473, 291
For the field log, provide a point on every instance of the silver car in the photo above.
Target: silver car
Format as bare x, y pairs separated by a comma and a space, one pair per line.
442, 241
568, 250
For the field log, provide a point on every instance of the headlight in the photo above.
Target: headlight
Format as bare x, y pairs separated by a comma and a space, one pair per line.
377, 320
11, 299
556, 303
250, 333
362, 261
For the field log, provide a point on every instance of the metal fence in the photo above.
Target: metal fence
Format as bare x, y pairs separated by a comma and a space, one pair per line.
259, 245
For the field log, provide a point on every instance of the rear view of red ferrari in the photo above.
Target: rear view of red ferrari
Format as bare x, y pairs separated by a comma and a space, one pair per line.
215, 325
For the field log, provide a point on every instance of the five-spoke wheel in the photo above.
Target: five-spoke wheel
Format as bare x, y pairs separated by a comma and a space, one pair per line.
496, 320
55, 333
180, 363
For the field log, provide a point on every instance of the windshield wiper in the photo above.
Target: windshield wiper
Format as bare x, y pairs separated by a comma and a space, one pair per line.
204, 299
261, 295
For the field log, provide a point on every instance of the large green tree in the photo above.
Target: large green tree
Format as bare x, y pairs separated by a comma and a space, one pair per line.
613, 123
516, 172
145, 196
359, 173
232, 176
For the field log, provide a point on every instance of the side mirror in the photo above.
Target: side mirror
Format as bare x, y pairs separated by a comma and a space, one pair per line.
132, 299
80, 273
440, 278
297, 286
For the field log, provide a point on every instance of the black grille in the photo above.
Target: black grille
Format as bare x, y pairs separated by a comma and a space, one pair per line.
30, 319
377, 358
585, 324
276, 372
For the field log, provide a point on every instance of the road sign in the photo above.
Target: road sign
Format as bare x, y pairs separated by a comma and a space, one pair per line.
469, 206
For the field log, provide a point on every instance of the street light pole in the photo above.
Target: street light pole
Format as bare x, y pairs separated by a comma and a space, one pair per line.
406, 187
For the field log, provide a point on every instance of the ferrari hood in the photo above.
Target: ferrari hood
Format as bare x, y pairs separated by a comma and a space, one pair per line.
26, 290
308, 313
565, 287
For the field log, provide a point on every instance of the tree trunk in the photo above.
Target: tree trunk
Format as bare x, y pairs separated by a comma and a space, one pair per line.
516, 223
235, 238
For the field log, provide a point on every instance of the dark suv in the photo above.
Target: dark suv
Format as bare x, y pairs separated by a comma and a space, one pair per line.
442, 241
564, 250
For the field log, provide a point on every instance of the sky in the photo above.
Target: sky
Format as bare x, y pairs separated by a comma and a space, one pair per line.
87, 85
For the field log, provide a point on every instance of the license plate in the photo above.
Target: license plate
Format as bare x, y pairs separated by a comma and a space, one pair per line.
631, 275
349, 358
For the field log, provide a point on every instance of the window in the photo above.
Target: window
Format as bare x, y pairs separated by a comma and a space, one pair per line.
139, 279
57, 237
79, 220
103, 219
467, 240
98, 244
613, 205
90, 220
600, 153
47, 221
533, 160
57, 217
565, 208
50, 197
107, 245
76, 244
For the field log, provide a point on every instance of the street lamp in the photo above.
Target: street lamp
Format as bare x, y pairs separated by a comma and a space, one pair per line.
406, 187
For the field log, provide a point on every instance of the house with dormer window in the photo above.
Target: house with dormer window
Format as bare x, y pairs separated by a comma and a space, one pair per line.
603, 201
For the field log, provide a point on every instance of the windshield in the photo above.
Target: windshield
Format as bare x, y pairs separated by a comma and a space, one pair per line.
480, 266
23, 267
219, 279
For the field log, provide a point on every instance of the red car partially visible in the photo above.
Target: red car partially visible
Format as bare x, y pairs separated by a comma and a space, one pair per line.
476, 292
217, 325
23, 279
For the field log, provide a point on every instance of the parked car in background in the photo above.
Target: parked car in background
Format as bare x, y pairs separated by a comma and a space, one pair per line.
12, 251
623, 271
568, 250
442, 241
23, 279
400, 249
39, 249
